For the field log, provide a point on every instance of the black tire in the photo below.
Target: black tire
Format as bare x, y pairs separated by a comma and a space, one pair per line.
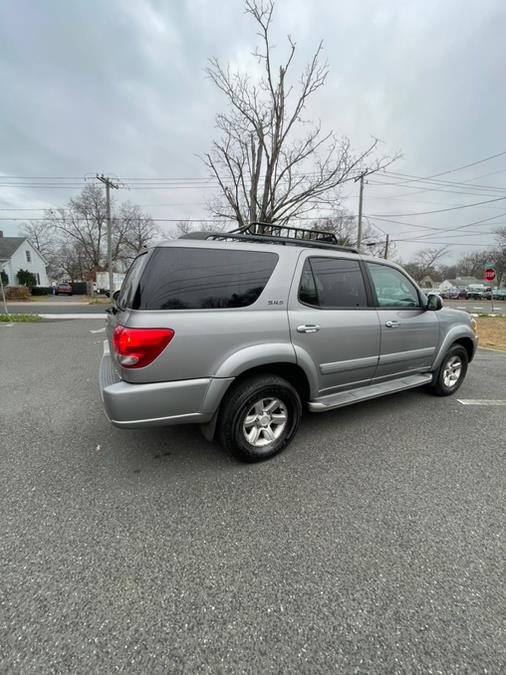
240, 401
455, 354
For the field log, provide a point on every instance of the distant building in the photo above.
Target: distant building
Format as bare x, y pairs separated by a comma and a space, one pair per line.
460, 282
17, 253
427, 282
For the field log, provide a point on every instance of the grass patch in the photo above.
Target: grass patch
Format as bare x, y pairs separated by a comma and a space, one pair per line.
41, 298
492, 331
19, 318
99, 301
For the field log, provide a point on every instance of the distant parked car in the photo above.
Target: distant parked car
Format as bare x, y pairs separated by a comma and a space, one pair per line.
64, 289
475, 294
434, 291
499, 294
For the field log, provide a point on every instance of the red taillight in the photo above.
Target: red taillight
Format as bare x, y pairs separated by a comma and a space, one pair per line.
138, 347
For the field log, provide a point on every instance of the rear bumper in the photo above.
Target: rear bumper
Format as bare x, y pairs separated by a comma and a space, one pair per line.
158, 403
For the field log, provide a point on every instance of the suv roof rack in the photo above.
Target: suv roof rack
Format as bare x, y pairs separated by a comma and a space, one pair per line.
275, 234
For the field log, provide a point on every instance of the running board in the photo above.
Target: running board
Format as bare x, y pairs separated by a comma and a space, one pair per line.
343, 398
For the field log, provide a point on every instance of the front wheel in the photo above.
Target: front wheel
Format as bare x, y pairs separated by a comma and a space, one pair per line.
259, 417
451, 373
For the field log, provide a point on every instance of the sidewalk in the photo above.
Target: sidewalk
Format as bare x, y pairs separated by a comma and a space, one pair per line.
45, 304
58, 301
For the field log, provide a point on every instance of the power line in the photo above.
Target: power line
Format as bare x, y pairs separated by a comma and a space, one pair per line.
454, 229
426, 189
459, 168
444, 243
451, 208
429, 227
438, 184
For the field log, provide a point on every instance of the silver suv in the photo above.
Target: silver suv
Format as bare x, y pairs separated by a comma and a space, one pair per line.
238, 331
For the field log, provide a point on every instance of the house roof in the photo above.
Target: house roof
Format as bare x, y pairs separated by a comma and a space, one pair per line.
8, 245
469, 280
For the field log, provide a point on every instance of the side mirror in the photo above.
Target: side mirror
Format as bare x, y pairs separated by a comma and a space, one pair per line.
115, 296
434, 302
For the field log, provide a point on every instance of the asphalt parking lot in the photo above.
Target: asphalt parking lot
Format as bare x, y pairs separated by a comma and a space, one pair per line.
374, 544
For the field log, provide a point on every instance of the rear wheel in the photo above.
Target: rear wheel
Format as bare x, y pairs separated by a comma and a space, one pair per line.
451, 373
259, 417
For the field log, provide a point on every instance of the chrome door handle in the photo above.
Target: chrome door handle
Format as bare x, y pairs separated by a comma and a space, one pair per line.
391, 324
309, 328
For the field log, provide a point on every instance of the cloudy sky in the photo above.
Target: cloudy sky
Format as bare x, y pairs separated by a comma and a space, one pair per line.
119, 87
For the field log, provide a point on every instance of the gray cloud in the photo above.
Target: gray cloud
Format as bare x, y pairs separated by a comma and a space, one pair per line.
120, 87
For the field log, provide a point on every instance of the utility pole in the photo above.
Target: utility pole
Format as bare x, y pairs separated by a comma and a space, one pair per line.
108, 185
360, 201
3, 294
387, 242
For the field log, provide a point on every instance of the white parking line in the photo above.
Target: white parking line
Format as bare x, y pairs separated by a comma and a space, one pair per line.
478, 401
100, 330
72, 316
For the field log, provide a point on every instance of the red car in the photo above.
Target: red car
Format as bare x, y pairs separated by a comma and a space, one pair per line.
64, 289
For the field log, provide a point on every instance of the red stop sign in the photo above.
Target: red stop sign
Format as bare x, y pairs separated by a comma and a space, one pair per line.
490, 275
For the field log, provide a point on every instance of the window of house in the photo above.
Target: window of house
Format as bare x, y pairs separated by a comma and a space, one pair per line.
37, 276
28, 256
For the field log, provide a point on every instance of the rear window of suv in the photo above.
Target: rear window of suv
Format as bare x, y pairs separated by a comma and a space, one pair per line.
202, 278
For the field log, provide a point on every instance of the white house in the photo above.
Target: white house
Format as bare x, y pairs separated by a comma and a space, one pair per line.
17, 253
460, 282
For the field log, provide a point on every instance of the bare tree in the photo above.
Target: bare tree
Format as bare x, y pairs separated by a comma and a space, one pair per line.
473, 264
42, 235
270, 163
186, 226
133, 231
84, 222
344, 226
425, 263
81, 231
500, 257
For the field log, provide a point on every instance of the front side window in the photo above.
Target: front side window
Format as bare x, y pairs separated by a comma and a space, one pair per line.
203, 278
332, 283
393, 289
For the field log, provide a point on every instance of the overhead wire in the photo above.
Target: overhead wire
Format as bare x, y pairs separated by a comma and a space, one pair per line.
451, 208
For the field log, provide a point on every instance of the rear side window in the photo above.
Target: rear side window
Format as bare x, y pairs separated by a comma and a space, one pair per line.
203, 278
129, 285
331, 283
